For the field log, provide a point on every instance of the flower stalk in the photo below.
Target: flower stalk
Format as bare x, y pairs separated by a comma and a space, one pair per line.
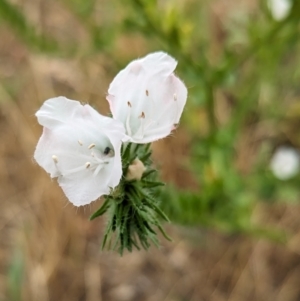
133, 206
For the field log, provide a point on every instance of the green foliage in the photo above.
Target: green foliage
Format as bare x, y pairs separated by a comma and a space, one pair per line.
17, 21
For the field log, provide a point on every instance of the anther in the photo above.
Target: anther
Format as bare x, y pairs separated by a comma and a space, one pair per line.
80, 142
128, 103
55, 159
91, 146
175, 96
87, 164
147, 92
142, 115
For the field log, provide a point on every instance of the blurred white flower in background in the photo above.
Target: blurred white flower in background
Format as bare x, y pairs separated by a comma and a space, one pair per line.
279, 8
285, 162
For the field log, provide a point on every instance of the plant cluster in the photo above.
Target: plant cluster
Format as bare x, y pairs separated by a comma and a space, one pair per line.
93, 155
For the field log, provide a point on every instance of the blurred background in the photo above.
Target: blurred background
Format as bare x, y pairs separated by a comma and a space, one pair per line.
231, 168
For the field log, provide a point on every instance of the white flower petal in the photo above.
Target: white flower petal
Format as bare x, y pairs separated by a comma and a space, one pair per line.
158, 62
82, 150
148, 98
85, 188
58, 110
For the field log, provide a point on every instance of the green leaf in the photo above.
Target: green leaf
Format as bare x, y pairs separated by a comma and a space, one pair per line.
102, 209
126, 151
152, 184
158, 211
151, 202
106, 235
134, 243
166, 236
145, 157
148, 173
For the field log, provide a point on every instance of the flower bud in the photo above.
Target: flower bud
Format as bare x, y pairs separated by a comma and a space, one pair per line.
135, 170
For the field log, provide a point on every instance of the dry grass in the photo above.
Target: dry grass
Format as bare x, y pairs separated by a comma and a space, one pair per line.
56, 248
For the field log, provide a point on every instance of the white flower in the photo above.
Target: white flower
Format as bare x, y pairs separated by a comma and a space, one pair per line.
285, 163
148, 98
279, 8
81, 148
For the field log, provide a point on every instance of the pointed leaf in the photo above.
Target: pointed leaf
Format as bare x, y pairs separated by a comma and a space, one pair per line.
166, 236
152, 184
101, 210
148, 173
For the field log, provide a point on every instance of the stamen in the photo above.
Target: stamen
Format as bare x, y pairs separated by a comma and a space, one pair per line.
175, 96
75, 170
80, 142
91, 146
87, 164
140, 132
98, 157
99, 167
147, 92
128, 129
55, 159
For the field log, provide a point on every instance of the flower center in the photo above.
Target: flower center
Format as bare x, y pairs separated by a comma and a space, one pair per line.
139, 134
95, 161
